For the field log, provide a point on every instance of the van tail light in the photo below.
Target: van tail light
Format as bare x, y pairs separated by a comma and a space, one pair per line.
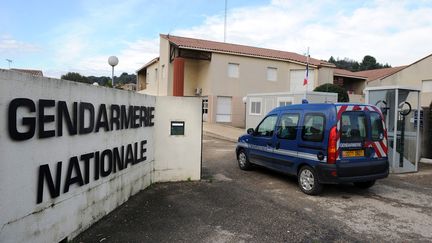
332, 146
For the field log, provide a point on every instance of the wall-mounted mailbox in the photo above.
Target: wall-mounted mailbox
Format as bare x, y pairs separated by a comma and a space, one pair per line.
177, 127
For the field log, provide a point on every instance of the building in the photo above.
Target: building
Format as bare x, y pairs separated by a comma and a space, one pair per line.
355, 82
29, 71
224, 73
417, 75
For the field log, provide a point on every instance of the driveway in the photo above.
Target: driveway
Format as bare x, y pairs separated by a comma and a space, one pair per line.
230, 205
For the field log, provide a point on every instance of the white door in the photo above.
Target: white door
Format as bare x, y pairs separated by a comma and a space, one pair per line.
223, 109
297, 78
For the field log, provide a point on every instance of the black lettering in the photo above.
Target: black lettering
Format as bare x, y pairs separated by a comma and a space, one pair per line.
54, 189
118, 158
83, 106
136, 114
151, 116
126, 119
102, 115
129, 155
115, 119
27, 121
62, 111
143, 116
86, 158
106, 170
143, 150
42, 118
73, 166
96, 166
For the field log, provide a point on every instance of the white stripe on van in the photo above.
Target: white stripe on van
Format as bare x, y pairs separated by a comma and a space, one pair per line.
291, 153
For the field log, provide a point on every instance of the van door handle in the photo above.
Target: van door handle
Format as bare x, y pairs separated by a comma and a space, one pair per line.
320, 156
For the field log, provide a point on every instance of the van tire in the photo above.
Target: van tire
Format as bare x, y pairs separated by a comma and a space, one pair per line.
364, 184
308, 181
243, 160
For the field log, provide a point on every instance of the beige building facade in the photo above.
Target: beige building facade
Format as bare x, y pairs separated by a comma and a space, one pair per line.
223, 74
417, 74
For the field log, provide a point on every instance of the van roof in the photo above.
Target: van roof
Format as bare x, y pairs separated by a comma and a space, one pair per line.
315, 106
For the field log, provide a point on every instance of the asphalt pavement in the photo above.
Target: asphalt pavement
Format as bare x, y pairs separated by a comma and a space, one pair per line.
231, 205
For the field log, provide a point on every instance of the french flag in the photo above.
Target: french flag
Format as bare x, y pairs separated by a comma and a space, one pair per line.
305, 81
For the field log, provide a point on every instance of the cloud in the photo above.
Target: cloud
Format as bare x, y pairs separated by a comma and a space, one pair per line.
10, 45
394, 32
391, 31
135, 55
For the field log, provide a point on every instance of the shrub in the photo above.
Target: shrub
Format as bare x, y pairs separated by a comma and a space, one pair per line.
333, 88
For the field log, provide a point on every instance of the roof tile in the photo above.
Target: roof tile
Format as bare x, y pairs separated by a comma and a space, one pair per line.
190, 43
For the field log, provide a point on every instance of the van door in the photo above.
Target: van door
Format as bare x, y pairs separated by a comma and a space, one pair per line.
362, 140
313, 139
286, 141
261, 143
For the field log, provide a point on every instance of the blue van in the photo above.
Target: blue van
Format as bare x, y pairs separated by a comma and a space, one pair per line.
320, 144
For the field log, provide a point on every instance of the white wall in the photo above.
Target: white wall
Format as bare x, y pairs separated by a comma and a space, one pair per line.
178, 157
270, 101
22, 219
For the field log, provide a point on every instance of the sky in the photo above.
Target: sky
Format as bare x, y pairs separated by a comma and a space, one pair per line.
79, 35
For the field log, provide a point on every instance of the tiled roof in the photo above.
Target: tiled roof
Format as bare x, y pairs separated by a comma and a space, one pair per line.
379, 73
154, 60
29, 71
347, 73
190, 43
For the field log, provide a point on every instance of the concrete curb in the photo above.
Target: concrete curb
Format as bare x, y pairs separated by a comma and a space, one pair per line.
218, 136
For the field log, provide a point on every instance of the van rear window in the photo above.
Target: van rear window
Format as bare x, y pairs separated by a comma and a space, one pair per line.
377, 131
353, 128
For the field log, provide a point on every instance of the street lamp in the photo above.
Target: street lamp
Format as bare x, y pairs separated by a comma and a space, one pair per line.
113, 61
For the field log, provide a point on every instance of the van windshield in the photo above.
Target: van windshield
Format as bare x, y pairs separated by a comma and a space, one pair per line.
353, 127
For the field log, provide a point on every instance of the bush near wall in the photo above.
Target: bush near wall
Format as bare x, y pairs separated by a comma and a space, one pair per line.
333, 88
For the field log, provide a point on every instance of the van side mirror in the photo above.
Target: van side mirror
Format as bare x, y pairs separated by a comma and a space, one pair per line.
250, 131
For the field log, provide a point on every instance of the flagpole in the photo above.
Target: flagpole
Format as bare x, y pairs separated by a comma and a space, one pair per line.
307, 72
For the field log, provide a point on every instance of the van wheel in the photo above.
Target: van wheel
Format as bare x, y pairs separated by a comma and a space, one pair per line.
364, 184
308, 181
243, 160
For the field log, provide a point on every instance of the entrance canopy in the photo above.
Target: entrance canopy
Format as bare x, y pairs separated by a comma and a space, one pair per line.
400, 107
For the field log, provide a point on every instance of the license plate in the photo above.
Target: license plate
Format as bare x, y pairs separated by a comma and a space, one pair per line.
353, 153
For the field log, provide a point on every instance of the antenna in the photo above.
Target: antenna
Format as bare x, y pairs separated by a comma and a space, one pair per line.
225, 20
9, 62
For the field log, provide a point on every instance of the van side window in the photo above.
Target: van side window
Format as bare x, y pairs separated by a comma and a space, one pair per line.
266, 127
287, 127
353, 126
377, 131
313, 128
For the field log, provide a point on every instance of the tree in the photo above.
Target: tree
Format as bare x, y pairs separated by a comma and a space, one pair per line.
333, 88
73, 76
368, 63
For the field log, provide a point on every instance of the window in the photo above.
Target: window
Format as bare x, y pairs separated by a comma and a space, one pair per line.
255, 106
266, 127
205, 106
353, 127
377, 127
313, 128
233, 70
271, 74
287, 127
284, 101
156, 75
427, 86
